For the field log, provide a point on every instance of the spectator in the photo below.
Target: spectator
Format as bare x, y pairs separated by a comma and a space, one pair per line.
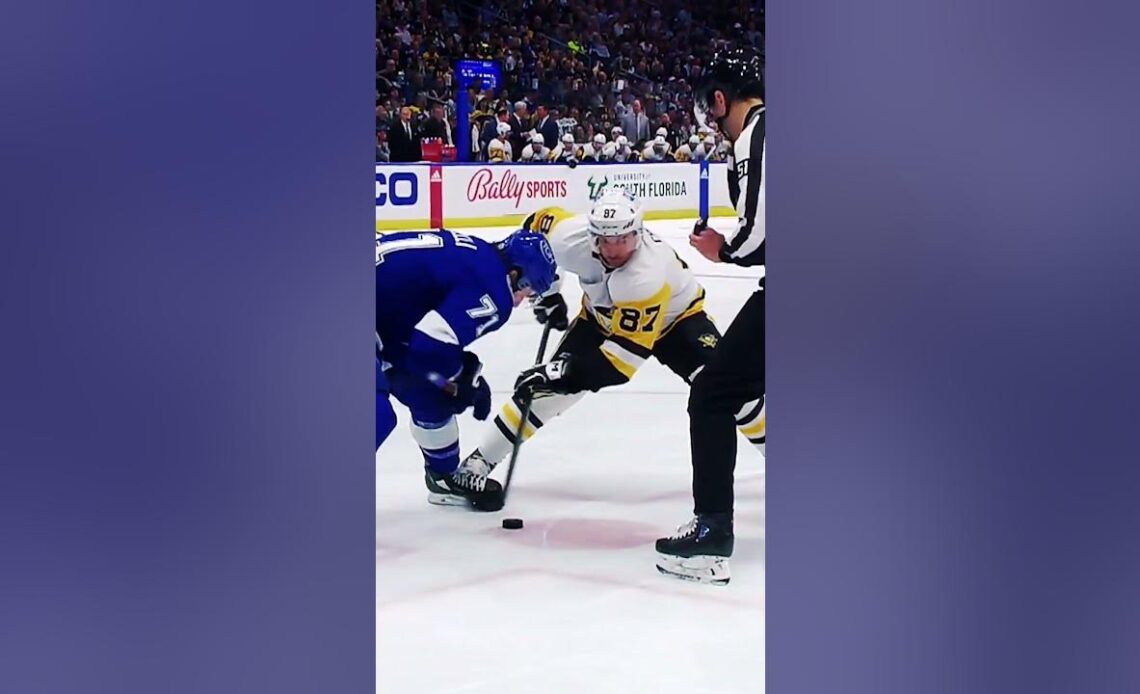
520, 123
437, 126
547, 126
404, 141
383, 153
635, 124
591, 56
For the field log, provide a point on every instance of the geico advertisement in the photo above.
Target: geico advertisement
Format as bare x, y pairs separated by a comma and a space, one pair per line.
402, 192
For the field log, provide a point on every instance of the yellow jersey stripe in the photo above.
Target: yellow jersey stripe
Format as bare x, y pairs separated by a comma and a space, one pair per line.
755, 429
513, 416
627, 370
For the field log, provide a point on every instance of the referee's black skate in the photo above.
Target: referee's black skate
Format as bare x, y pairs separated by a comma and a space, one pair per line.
699, 550
469, 485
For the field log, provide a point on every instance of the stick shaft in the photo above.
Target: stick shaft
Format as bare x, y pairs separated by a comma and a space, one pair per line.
525, 415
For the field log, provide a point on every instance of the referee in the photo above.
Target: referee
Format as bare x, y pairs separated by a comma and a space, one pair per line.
729, 392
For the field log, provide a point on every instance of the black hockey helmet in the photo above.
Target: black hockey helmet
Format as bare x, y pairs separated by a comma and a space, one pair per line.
738, 72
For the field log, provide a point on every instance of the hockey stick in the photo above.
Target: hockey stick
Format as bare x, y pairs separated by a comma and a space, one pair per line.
525, 415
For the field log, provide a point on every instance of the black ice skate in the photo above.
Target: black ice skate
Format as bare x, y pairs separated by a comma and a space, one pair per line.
468, 485
699, 550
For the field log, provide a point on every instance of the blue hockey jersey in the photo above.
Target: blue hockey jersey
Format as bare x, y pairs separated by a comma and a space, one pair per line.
436, 292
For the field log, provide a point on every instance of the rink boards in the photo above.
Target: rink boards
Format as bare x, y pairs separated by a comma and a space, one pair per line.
427, 195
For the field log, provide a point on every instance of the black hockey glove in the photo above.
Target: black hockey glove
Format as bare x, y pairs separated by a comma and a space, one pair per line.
700, 226
552, 308
472, 389
546, 379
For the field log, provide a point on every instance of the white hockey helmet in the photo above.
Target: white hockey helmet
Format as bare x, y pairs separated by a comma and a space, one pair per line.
615, 131
567, 139
659, 143
615, 213
662, 132
536, 138
694, 140
622, 140
599, 139
503, 128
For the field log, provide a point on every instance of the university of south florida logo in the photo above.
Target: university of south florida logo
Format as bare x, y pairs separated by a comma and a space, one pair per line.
597, 188
639, 185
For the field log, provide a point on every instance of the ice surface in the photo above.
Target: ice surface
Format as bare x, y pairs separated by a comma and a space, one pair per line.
572, 602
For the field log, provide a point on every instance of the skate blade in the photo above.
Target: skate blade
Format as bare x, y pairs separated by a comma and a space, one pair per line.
700, 569
446, 499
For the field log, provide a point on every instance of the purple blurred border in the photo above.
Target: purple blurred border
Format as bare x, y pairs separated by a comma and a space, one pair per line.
186, 502
954, 234
185, 427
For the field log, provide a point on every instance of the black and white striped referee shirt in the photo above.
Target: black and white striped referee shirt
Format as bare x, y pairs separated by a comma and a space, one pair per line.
746, 172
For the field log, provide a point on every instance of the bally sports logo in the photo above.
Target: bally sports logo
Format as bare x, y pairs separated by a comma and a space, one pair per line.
483, 186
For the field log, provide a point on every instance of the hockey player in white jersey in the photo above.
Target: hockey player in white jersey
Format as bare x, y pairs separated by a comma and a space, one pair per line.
699, 151
663, 133
624, 152
566, 151
499, 149
595, 149
708, 149
723, 148
685, 151
536, 151
656, 150
640, 300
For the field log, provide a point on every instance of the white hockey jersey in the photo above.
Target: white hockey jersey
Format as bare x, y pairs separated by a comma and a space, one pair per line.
634, 305
499, 151
565, 152
592, 153
529, 153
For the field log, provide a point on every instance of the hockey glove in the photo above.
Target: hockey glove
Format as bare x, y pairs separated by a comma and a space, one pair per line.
552, 308
546, 379
472, 389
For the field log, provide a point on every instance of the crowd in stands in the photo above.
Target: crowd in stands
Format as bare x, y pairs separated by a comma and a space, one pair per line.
582, 80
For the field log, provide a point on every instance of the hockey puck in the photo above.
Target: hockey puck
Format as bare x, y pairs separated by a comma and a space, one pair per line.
512, 523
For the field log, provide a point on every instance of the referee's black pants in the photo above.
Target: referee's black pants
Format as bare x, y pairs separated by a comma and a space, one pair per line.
733, 377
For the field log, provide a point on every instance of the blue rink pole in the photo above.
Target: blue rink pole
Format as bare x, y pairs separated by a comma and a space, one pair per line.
703, 189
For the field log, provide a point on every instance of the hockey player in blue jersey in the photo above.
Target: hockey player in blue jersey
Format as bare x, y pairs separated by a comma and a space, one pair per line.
436, 292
